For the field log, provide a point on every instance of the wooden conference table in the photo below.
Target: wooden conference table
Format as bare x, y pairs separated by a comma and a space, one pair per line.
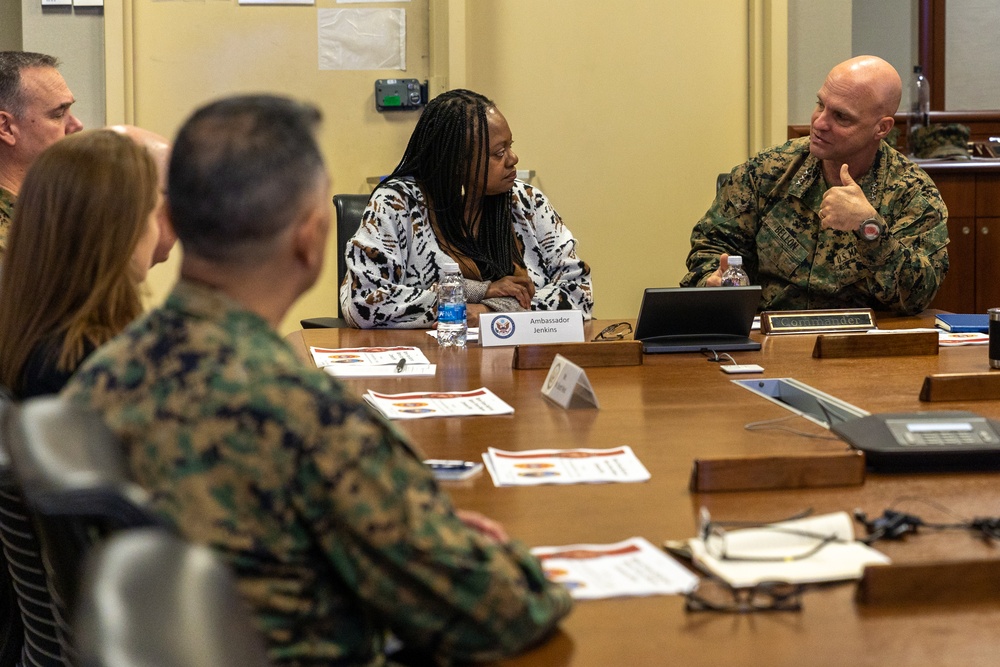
671, 410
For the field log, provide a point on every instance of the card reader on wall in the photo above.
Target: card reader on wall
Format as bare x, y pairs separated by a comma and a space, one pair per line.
399, 94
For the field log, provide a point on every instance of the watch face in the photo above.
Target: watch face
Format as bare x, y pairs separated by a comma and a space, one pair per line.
871, 230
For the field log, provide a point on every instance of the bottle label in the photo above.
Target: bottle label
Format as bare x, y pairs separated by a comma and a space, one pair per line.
451, 312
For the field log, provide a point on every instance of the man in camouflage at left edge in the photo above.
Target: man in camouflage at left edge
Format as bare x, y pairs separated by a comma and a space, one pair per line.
337, 532
838, 219
34, 114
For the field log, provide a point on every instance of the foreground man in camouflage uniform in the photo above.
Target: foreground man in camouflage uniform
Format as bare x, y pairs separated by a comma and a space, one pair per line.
834, 220
335, 529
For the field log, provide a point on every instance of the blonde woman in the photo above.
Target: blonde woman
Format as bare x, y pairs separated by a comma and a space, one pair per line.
81, 242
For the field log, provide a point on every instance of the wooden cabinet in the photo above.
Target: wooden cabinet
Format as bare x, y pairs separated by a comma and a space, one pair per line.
971, 191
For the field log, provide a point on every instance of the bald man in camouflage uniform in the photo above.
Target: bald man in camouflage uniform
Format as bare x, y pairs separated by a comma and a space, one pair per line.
835, 220
336, 531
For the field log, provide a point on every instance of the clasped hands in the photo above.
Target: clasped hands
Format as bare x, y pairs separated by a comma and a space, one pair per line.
844, 207
519, 287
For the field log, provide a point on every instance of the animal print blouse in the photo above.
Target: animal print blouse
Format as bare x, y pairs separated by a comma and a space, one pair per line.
394, 259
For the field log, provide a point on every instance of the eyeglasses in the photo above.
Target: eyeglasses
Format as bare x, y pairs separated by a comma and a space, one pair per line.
715, 595
719, 543
614, 332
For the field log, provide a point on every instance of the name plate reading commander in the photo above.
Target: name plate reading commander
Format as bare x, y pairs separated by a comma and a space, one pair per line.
530, 328
817, 321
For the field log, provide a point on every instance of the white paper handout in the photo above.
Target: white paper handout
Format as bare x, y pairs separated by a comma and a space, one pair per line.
837, 557
630, 568
950, 339
418, 405
372, 361
564, 466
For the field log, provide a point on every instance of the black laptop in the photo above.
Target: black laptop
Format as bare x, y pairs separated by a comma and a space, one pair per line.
690, 319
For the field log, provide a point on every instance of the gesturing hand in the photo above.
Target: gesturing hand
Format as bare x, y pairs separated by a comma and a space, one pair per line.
519, 287
845, 207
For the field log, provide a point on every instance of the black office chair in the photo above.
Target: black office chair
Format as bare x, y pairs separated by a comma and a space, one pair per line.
72, 473
35, 618
150, 598
349, 210
11, 626
32, 634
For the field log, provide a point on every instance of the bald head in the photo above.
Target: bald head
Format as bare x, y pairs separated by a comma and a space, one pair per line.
873, 79
156, 144
854, 113
159, 149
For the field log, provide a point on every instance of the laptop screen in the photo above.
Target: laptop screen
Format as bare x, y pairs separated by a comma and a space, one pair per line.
693, 318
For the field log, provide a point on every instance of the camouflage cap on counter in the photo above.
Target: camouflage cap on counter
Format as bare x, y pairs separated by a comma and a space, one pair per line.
941, 141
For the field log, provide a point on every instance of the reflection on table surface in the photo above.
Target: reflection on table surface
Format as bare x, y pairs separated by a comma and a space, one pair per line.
670, 410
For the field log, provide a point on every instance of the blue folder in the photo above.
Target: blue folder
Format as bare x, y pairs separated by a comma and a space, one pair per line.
959, 323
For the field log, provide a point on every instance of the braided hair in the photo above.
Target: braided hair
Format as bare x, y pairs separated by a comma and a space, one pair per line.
441, 156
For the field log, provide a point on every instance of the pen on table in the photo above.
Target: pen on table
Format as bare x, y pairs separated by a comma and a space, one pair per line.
400, 365
448, 464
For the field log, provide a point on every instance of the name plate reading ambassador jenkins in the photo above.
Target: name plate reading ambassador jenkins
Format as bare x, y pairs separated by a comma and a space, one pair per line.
558, 326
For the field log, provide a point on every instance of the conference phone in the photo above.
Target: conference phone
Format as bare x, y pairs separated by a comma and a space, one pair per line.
940, 440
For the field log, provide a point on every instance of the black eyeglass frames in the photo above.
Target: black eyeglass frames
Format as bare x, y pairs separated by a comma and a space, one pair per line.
719, 543
616, 331
718, 596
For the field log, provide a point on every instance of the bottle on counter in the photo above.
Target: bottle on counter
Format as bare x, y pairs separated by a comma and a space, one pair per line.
920, 106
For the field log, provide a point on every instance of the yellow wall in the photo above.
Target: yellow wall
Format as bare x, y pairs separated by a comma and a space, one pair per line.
182, 54
626, 111
819, 37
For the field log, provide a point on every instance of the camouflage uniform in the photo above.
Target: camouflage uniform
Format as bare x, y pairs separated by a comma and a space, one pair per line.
938, 141
768, 212
6, 215
335, 529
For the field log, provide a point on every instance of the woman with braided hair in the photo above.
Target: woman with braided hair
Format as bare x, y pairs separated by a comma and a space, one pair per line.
454, 197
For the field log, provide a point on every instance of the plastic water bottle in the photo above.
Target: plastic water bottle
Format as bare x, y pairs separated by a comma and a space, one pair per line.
735, 276
452, 328
920, 105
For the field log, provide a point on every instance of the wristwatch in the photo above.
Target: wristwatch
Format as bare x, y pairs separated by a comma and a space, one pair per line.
871, 229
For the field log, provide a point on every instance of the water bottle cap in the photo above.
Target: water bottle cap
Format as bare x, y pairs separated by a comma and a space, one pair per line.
735, 260
449, 267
